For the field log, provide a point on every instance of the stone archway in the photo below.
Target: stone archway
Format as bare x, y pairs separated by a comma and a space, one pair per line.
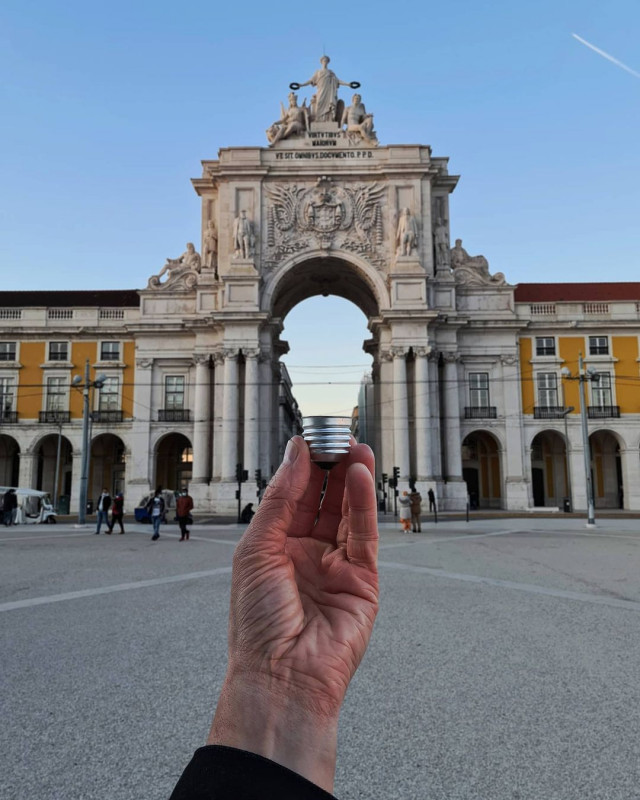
481, 470
606, 470
9, 461
46, 458
549, 474
107, 465
173, 461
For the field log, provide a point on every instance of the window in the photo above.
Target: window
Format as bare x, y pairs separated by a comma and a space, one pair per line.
601, 390
174, 392
598, 346
56, 394
110, 351
108, 399
547, 389
58, 351
7, 391
479, 389
545, 346
7, 351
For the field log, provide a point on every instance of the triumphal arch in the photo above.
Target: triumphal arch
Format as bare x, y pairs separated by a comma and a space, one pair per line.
325, 208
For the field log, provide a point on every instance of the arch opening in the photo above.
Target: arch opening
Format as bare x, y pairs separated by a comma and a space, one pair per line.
46, 459
173, 462
481, 470
107, 465
606, 470
549, 471
9, 461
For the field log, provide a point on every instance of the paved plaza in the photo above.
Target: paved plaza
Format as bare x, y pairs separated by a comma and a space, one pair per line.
504, 663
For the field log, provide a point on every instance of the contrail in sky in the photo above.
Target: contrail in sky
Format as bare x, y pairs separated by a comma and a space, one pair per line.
606, 55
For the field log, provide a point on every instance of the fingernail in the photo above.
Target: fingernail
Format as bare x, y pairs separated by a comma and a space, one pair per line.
291, 453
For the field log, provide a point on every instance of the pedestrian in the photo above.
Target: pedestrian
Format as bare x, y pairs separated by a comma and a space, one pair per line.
405, 511
432, 500
247, 513
10, 507
102, 510
117, 513
184, 504
155, 509
416, 507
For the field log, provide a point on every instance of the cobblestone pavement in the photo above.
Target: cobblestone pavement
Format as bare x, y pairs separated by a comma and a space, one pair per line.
503, 665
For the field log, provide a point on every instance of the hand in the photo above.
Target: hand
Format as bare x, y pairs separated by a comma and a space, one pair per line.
303, 601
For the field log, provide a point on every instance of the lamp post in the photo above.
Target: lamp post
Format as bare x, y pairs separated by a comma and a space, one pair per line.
86, 385
584, 375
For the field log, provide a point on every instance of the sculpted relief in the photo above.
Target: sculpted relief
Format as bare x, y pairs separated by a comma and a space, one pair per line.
324, 216
182, 272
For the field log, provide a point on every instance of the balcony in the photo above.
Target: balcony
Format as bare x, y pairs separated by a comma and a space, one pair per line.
549, 412
602, 412
106, 416
8, 417
480, 412
174, 415
55, 417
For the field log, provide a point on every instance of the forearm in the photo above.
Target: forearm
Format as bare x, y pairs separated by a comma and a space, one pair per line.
273, 725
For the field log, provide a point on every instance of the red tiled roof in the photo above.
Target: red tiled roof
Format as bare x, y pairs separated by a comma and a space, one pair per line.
575, 292
119, 298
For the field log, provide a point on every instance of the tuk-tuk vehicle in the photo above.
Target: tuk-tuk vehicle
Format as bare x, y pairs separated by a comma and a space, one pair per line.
33, 506
142, 515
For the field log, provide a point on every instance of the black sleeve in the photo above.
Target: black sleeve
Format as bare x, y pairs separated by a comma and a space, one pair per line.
225, 773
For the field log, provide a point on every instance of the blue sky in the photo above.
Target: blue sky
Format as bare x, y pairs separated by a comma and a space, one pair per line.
108, 109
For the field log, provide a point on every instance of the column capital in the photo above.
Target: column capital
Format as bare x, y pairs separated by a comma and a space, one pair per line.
508, 359
230, 354
251, 352
200, 358
450, 358
385, 355
422, 351
217, 358
144, 363
398, 352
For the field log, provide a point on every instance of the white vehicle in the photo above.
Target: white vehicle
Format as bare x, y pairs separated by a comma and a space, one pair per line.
33, 506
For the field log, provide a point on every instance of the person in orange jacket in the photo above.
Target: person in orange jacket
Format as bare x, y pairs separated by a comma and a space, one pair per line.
184, 504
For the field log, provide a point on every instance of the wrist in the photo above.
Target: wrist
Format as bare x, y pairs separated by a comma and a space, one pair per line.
271, 723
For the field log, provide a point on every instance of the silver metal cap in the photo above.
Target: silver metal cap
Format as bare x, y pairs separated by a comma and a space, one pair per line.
328, 438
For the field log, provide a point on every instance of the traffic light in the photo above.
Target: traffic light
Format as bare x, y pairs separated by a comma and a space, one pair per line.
385, 477
259, 477
241, 474
396, 475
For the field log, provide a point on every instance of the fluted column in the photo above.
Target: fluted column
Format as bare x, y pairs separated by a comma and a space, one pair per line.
251, 412
452, 417
201, 423
230, 416
400, 412
140, 464
422, 413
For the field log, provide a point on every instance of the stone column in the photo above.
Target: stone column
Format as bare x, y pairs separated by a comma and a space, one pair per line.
514, 483
630, 477
422, 413
230, 416
218, 426
76, 474
139, 467
452, 417
251, 412
26, 475
400, 412
201, 422
266, 415
434, 407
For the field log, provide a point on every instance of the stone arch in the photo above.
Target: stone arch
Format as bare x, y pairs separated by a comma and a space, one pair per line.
317, 273
606, 468
481, 469
107, 465
549, 471
9, 460
173, 461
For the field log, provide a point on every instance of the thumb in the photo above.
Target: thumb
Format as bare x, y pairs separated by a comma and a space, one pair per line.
270, 525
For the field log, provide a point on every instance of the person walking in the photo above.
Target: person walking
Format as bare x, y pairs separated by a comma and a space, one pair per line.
9, 507
247, 513
155, 509
432, 500
405, 511
416, 507
184, 504
102, 510
117, 513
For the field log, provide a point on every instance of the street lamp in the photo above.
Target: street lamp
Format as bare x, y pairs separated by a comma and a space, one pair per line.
584, 375
86, 385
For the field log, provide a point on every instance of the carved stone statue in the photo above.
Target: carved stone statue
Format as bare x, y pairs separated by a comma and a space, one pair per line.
407, 233
357, 120
243, 236
293, 121
473, 269
188, 262
211, 245
324, 107
441, 239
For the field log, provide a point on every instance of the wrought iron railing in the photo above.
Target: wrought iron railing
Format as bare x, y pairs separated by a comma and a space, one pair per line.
107, 416
480, 412
174, 415
55, 417
549, 412
600, 412
8, 417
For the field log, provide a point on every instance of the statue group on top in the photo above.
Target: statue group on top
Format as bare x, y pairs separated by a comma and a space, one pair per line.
324, 107
181, 272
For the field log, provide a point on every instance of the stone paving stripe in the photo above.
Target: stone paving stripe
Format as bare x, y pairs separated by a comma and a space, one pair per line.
582, 597
119, 587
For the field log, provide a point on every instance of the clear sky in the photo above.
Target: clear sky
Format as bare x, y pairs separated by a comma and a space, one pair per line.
108, 109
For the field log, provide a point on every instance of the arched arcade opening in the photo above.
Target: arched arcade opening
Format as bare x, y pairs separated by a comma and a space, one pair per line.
173, 462
606, 470
481, 470
9, 461
549, 472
